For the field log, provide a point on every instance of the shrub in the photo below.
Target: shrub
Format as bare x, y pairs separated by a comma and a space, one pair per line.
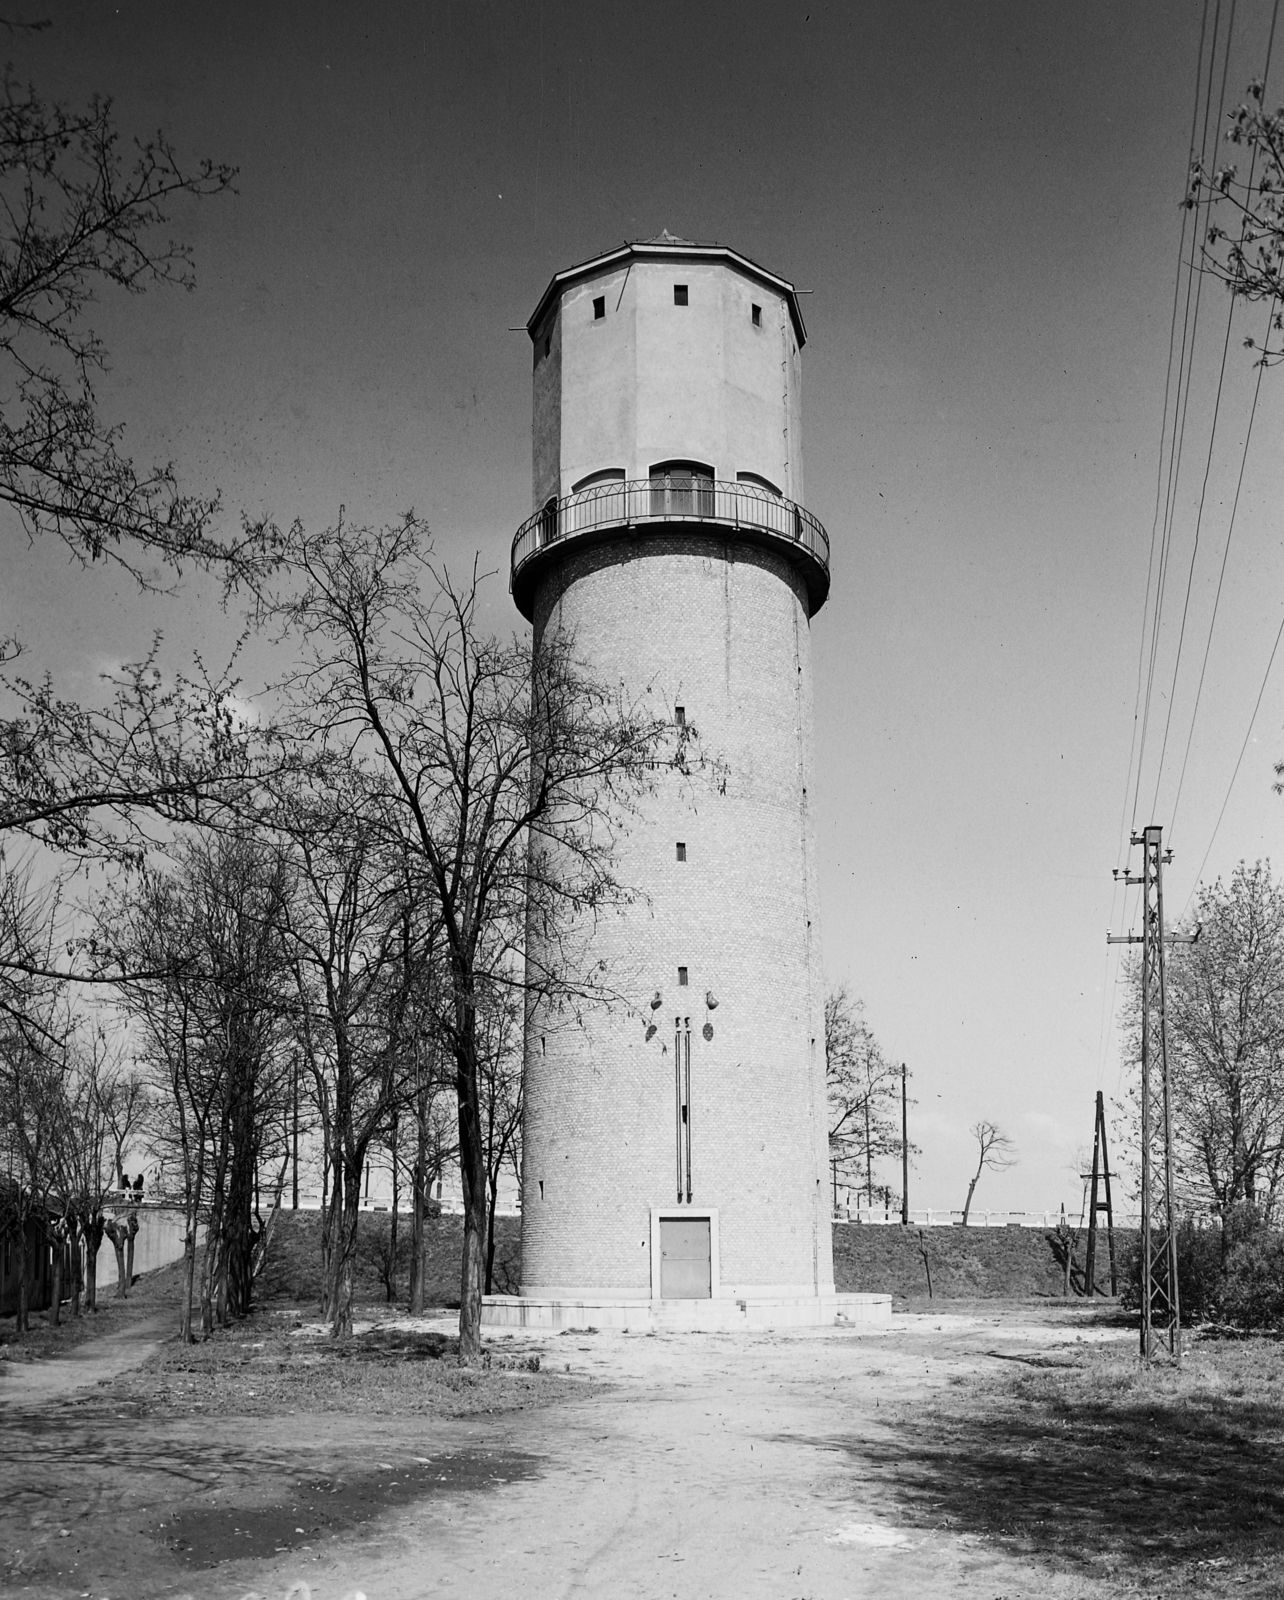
1252, 1291
1199, 1272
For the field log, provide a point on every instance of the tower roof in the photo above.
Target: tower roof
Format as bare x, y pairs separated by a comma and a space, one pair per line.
668, 247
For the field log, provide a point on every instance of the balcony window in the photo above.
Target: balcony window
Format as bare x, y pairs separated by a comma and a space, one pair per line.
594, 479
758, 482
548, 521
597, 499
681, 489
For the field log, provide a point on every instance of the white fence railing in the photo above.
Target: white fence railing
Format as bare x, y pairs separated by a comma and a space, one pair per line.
976, 1219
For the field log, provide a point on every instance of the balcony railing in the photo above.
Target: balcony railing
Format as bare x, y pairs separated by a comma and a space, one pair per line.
742, 506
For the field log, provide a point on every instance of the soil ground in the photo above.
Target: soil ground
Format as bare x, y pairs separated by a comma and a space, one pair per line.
992, 1449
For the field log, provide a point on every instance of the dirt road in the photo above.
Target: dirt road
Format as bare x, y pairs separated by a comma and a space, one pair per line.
711, 1465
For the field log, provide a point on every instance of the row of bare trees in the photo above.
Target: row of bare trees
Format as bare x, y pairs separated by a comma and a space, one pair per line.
330, 889
68, 1113
356, 922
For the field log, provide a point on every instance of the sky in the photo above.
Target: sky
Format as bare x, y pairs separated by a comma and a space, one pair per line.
984, 203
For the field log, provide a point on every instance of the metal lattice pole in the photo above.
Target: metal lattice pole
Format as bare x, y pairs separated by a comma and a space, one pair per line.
1160, 1299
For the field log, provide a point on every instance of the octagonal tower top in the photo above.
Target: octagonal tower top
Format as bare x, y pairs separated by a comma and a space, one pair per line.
667, 383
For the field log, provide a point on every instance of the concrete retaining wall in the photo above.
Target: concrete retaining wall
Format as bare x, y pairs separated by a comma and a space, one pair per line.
158, 1242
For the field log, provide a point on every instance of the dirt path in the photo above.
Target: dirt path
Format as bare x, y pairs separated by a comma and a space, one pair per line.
756, 1467
722, 1466
96, 1361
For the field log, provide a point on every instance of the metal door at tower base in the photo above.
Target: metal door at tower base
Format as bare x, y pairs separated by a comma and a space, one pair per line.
685, 1258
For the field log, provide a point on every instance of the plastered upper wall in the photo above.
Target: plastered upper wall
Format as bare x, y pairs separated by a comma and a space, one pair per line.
651, 380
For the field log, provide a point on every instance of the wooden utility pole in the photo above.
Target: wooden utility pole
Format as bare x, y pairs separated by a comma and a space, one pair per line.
904, 1150
1100, 1172
1160, 1299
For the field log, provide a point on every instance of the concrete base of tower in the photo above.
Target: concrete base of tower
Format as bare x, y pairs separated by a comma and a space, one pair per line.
726, 1313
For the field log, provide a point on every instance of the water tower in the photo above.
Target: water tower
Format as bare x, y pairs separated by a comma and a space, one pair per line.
675, 1151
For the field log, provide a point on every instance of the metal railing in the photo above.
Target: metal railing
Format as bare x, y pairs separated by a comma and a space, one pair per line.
881, 1217
676, 498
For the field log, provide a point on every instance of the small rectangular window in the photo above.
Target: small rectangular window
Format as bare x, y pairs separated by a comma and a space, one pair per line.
682, 851
679, 294
756, 313
599, 308
682, 977
680, 716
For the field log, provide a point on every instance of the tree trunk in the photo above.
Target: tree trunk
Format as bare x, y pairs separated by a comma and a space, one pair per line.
470, 1278
472, 1164
117, 1234
194, 1187
492, 1201
927, 1264
189, 1282
331, 1241
93, 1239
472, 1172
55, 1306
242, 1197
22, 1320
967, 1204
77, 1263
420, 1205
209, 1269
341, 1315
417, 1244
392, 1225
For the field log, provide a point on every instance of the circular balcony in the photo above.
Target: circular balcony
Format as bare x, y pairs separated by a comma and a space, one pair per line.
642, 506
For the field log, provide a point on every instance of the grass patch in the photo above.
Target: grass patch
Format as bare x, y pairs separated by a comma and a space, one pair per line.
1170, 1481
270, 1366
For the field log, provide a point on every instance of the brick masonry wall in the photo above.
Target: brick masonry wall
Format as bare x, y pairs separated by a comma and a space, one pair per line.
721, 629
967, 1263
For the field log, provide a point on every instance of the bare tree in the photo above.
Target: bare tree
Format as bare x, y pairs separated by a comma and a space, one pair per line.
31, 1117
994, 1150
362, 962
126, 1102
436, 1149
86, 1176
499, 1074
503, 774
79, 215
105, 782
34, 1027
210, 1016
1225, 1013
864, 1095
78, 219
